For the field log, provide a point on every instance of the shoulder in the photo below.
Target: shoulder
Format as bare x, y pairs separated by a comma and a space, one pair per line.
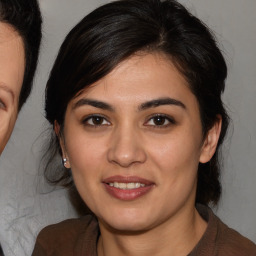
66, 229
220, 240
230, 242
66, 236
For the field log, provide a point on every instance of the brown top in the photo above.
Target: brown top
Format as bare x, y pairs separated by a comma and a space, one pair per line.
78, 237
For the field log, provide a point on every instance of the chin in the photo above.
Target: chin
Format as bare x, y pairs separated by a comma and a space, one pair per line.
127, 228
127, 221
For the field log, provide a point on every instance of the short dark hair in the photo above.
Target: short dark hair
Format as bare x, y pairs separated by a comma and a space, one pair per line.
116, 31
25, 17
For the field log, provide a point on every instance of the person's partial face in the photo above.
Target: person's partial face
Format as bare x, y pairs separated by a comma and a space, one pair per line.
133, 141
12, 67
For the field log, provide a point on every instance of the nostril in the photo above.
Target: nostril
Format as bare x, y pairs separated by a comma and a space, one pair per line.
127, 161
126, 147
125, 157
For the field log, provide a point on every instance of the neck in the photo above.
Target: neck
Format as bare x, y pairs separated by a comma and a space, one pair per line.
176, 236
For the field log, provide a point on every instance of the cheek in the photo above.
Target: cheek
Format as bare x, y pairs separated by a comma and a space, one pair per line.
176, 158
87, 164
177, 165
86, 158
176, 152
83, 151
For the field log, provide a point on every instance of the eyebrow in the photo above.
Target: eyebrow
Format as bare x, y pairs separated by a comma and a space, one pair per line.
93, 103
146, 105
7, 89
160, 102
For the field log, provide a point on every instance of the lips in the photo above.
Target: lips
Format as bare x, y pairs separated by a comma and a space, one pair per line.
127, 188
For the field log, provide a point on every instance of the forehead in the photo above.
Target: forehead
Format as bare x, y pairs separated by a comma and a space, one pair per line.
140, 76
12, 60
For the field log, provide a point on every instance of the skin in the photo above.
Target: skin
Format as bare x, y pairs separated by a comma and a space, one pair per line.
12, 63
129, 140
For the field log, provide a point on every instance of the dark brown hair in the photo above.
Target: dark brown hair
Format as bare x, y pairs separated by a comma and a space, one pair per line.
114, 32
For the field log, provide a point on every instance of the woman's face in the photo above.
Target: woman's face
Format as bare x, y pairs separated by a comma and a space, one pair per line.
12, 66
133, 141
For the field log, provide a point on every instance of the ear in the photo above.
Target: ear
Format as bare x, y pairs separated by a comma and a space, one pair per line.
211, 141
62, 145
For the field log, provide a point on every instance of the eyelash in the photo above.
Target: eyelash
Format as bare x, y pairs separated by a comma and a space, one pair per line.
94, 116
165, 118
89, 121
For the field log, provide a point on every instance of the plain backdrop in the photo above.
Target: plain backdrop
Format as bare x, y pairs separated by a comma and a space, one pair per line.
27, 204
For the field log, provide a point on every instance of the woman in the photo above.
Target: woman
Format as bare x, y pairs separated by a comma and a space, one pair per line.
20, 36
134, 98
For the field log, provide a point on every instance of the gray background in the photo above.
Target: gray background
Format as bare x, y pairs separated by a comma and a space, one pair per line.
27, 204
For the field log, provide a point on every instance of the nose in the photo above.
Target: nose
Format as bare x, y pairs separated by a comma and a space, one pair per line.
126, 148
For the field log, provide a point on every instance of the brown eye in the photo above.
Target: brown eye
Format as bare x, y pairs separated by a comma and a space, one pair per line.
160, 121
96, 120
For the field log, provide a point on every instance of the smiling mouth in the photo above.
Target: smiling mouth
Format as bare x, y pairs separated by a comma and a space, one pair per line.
127, 188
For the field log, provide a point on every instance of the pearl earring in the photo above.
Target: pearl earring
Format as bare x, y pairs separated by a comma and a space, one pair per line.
64, 162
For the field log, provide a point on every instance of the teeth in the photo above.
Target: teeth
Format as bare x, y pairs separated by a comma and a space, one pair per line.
131, 185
